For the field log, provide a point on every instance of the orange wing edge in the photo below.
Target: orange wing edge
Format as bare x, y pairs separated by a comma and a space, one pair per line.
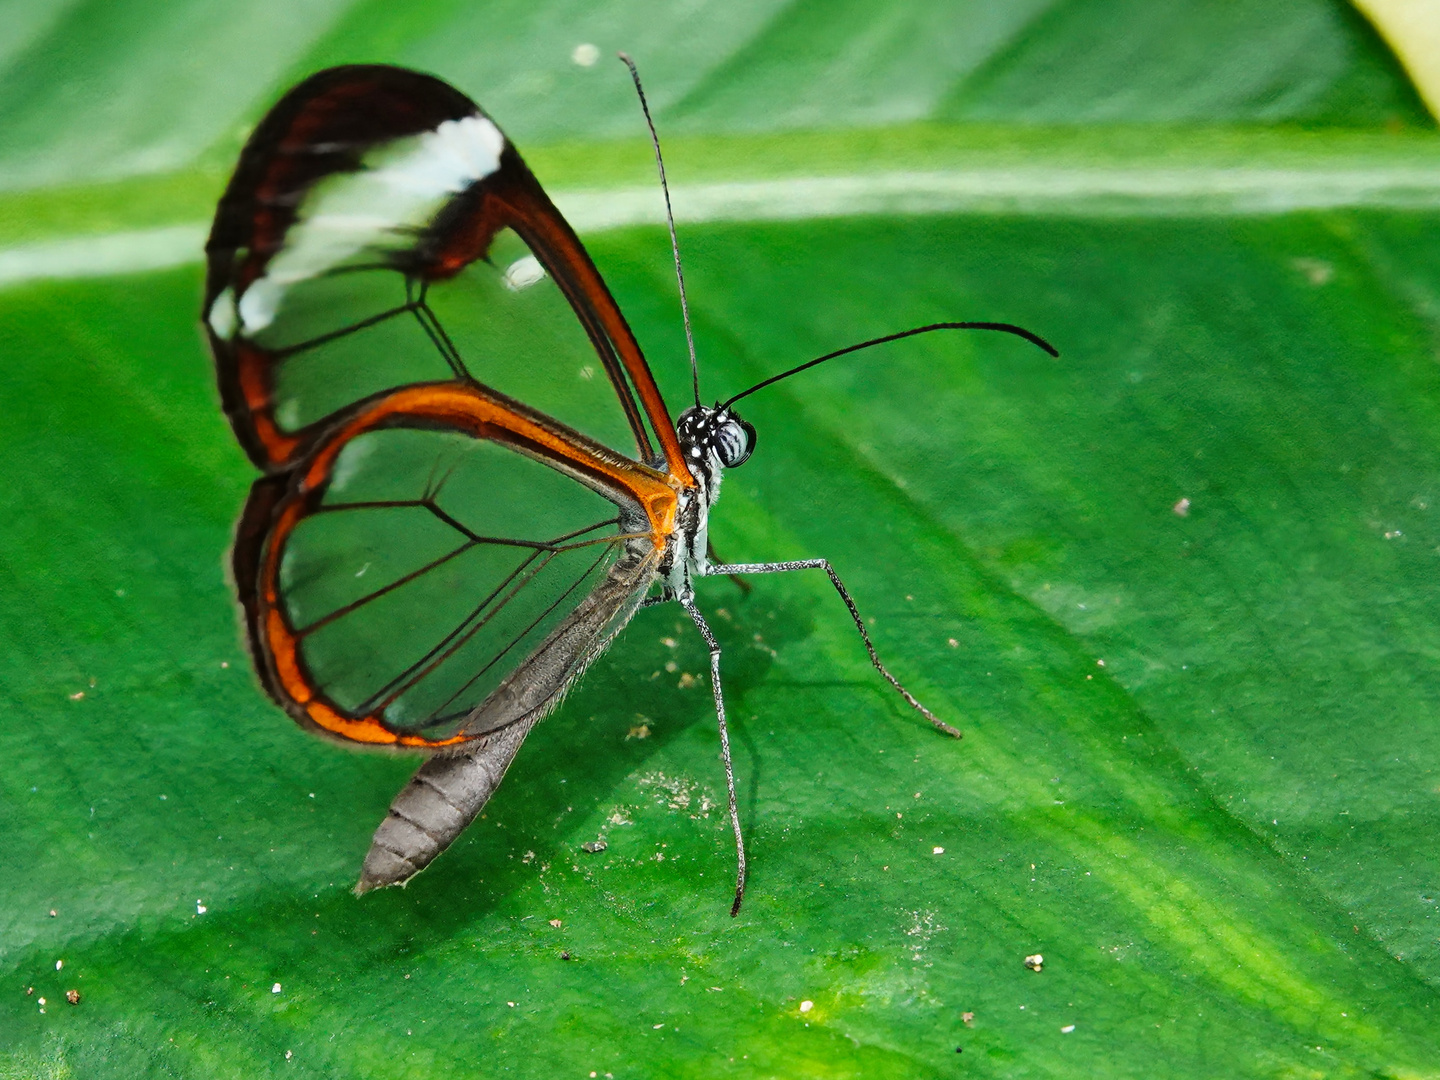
278, 502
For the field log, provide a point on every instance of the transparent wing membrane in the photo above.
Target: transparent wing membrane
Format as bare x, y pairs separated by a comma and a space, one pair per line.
361, 328
379, 232
456, 424
433, 565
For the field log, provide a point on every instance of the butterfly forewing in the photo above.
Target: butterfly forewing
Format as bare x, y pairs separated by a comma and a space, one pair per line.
381, 231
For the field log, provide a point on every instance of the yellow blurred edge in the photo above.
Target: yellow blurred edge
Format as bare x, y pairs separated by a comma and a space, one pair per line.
1412, 29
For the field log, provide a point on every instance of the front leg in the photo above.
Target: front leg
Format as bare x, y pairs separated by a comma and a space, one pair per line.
824, 564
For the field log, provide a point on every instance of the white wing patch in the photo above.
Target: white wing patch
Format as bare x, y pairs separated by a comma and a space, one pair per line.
223, 316
398, 190
523, 273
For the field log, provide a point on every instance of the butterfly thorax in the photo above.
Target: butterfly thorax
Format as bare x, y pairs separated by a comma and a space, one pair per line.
713, 439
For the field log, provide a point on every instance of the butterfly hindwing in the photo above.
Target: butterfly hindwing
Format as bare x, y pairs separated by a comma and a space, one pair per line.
443, 564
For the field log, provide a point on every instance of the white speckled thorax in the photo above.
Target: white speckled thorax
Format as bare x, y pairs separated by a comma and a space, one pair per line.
712, 440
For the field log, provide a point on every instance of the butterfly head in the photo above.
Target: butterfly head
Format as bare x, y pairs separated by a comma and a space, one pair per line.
714, 436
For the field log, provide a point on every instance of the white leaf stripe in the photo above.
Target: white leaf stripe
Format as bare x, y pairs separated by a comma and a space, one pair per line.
1021, 190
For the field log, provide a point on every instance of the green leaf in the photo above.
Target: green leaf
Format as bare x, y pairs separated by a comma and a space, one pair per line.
1178, 587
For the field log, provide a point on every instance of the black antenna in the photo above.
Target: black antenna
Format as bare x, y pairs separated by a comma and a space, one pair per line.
669, 220
1005, 328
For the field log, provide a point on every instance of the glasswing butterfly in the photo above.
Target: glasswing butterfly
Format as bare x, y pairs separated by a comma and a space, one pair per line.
470, 479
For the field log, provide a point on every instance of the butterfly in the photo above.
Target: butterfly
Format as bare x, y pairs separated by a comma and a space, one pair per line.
470, 480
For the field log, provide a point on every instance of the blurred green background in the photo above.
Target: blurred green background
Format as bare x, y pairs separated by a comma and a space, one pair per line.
1178, 587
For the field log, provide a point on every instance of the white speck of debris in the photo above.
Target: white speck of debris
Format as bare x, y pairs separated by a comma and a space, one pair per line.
510, 1003
200, 908
79, 695
806, 1006
275, 989
224, 663
288, 1055
1099, 663
1317, 271
1182, 508
937, 851
1034, 962
555, 923
953, 643
53, 913
1393, 535
59, 964
657, 1027
1067, 1029
585, 55
42, 1003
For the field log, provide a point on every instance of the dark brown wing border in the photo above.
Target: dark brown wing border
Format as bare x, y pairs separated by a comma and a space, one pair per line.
324, 126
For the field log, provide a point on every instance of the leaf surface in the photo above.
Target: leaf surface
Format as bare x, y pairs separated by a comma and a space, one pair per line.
1178, 587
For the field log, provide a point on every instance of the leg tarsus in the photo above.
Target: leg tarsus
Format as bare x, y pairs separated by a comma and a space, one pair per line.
714, 645
824, 564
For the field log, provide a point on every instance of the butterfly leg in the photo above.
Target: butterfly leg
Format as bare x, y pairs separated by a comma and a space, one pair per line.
713, 556
704, 628
824, 564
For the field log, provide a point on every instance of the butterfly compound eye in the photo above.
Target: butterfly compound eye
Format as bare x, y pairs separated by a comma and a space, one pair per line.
735, 442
